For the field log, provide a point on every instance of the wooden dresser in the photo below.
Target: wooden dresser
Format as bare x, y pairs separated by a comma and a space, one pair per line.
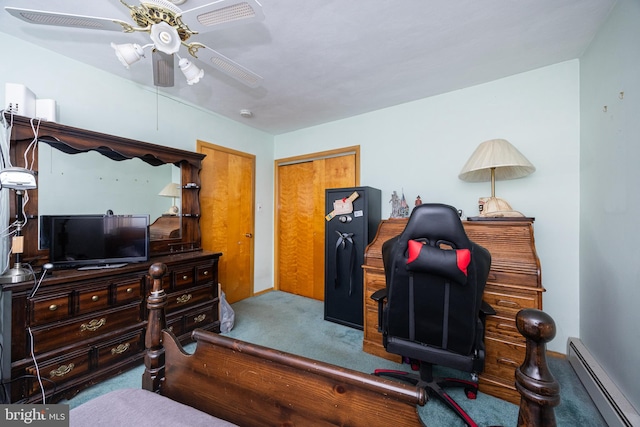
86, 326
514, 283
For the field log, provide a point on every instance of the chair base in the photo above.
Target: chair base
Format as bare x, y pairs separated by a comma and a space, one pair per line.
435, 387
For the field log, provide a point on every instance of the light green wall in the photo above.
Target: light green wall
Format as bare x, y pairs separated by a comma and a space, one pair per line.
91, 99
421, 146
609, 178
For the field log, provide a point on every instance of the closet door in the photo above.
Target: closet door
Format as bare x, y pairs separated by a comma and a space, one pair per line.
300, 210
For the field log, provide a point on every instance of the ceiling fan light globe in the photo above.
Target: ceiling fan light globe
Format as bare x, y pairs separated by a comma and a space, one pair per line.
165, 38
192, 73
128, 53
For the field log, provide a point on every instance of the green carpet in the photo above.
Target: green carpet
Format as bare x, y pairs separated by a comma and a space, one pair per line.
296, 325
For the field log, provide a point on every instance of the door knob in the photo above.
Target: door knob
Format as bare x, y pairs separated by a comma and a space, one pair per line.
249, 235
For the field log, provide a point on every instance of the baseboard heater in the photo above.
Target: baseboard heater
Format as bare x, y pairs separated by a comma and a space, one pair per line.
613, 406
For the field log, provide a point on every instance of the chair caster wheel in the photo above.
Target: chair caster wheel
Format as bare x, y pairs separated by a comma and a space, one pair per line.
471, 393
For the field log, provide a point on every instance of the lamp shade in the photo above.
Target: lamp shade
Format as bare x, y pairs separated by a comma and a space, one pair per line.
170, 190
497, 154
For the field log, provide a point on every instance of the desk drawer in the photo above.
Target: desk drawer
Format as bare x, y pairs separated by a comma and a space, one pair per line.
508, 304
503, 357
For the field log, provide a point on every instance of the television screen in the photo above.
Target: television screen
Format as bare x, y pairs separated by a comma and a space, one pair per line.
97, 240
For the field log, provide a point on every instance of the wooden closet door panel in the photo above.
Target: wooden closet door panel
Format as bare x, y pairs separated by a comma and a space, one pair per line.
301, 205
295, 216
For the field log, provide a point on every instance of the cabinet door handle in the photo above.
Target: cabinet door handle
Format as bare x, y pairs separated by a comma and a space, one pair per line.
62, 370
93, 325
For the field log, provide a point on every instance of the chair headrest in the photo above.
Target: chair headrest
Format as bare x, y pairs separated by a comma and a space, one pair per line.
436, 222
449, 263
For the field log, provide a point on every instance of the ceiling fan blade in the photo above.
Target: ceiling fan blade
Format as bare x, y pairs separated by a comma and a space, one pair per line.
162, 68
66, 19
221, 14
232, 69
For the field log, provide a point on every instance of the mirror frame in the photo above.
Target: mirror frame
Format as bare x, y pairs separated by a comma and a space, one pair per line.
74, 140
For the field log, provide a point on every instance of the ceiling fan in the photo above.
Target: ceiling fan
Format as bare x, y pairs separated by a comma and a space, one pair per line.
169, 28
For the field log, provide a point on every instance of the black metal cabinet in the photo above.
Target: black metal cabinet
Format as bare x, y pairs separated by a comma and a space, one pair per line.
346, 238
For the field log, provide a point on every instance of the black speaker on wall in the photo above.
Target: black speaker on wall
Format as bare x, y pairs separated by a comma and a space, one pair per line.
347, 235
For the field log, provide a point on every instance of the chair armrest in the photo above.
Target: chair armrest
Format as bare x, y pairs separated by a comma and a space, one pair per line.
379, 295
486, 309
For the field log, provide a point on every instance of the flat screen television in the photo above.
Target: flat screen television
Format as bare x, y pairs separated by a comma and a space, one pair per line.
96, 241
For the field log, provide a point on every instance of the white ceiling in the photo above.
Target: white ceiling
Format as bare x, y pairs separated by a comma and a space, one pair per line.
327, 60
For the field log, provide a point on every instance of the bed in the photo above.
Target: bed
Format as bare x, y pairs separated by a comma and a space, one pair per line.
228, 382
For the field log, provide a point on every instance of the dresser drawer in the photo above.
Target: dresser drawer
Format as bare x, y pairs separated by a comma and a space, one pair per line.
50, 309
85, 328
200, 318
122, 348
59, 370
180, 300
93, 300
127, 291
503, 357
183, 277
204, 273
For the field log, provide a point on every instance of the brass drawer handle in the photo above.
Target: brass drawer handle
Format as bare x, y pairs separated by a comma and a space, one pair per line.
62, 370
205, 273
121, 348
129, 290
171, 328
508, 362
200, 318
183, 298
507, 303
53, 307
95, 298
93, 325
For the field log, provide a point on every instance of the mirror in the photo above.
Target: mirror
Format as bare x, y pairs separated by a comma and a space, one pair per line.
90, 183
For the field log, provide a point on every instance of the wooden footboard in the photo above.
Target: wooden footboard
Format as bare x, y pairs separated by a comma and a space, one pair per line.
251, 385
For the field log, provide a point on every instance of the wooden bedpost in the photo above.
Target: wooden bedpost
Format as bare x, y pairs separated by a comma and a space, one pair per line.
154, 355
539, 390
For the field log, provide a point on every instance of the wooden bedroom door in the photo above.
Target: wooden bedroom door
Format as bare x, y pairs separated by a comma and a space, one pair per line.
227, 215
300, 211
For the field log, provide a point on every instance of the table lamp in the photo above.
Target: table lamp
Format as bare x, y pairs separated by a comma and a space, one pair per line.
496, 159
171, 190
19, 180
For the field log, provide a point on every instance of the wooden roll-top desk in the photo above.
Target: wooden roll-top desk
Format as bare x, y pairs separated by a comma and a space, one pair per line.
514, 283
